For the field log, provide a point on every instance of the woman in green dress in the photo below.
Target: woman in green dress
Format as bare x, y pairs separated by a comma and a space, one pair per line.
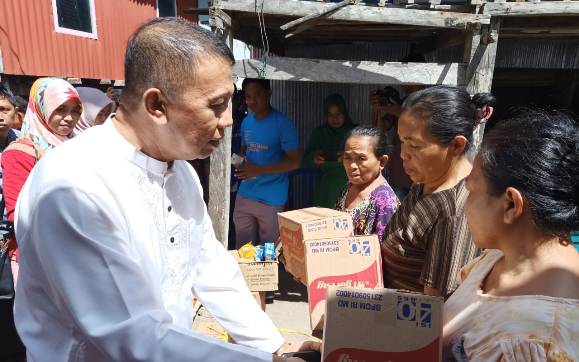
325, 150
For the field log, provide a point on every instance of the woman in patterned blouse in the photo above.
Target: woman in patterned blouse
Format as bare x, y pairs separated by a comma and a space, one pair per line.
367, 196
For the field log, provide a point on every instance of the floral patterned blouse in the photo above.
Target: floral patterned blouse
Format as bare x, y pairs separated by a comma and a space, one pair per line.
371, 216
479, 327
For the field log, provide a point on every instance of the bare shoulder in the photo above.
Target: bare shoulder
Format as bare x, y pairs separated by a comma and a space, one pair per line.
561, 279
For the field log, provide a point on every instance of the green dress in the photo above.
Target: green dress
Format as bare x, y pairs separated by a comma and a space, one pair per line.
330, 141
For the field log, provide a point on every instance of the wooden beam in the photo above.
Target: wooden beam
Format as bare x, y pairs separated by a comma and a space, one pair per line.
219, 19
196, 11
359, 72
321, 12
303, 27
544, 8
357, 13
220, 167
480, 53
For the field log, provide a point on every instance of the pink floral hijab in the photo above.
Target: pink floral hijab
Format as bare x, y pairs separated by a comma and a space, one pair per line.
46, 95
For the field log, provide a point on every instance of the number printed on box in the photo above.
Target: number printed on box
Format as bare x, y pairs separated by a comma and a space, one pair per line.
341, 224
408, 309
360, 247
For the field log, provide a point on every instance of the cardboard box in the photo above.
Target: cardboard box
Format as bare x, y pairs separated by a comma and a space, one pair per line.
382, 325
308, 224
260, 299
354, 261
260, 276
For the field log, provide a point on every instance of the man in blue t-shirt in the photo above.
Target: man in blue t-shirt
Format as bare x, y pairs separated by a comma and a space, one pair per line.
270, 144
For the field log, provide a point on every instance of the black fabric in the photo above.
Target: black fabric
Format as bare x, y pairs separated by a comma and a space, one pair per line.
6, 280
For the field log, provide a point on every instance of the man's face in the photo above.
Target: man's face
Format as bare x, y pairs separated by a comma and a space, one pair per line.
8, 115
256, 98
196, 120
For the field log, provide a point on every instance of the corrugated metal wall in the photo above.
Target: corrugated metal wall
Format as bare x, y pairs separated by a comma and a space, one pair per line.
30, 45
302, 101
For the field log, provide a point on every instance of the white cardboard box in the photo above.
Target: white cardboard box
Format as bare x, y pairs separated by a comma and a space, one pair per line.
381, 325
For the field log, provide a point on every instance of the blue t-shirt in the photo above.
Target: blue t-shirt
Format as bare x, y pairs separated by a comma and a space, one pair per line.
265, 141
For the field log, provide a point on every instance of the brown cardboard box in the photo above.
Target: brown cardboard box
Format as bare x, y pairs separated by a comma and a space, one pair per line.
307, 224
260, 276
260, 299
354, 261
381, 325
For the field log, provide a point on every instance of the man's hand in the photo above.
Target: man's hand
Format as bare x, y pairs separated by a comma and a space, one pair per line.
284, 359
247, 171
295, 347
319, 158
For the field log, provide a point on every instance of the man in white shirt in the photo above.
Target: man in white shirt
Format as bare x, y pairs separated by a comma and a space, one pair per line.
113, 233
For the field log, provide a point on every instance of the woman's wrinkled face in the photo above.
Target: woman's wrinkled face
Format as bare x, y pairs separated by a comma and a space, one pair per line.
64, 118
335, 116
360, 162
484, 212
103, 114
424, 158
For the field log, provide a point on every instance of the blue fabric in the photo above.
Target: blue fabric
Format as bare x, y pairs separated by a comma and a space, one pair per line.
265, 142
575, 239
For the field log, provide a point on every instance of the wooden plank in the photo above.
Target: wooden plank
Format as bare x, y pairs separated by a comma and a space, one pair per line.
480, 52
220, 172
320, 13
553, 8
303, 27
358, 13
362, 72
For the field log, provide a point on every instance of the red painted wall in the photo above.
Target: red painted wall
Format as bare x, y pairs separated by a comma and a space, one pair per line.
31, 46
186, 4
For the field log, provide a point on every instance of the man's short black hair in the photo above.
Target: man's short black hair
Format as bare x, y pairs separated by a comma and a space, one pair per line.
21, 103
263, 83
8, 95
164, 53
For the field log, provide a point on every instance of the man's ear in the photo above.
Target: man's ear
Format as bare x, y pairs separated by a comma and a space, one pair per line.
19, 118
155, 104
513, 205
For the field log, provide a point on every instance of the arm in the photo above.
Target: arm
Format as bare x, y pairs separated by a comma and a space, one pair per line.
308, 160
16, 166
385, 206
220, 287
449, 248
291, 162
293, 155
132, 324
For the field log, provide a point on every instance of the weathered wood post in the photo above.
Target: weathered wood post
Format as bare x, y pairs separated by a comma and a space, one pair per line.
480, 54
220, 162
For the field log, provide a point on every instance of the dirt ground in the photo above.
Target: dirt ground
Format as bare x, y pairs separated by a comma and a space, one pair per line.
289, 311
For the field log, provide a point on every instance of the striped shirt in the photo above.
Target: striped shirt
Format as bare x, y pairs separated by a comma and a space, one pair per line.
427, 241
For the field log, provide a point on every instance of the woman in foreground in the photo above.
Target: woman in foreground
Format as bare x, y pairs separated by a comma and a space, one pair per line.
519, 301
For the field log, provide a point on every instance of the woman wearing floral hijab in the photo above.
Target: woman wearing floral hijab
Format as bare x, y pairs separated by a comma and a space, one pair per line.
54, 108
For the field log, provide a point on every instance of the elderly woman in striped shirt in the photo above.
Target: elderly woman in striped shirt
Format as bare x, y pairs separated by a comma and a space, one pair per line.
427, 241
